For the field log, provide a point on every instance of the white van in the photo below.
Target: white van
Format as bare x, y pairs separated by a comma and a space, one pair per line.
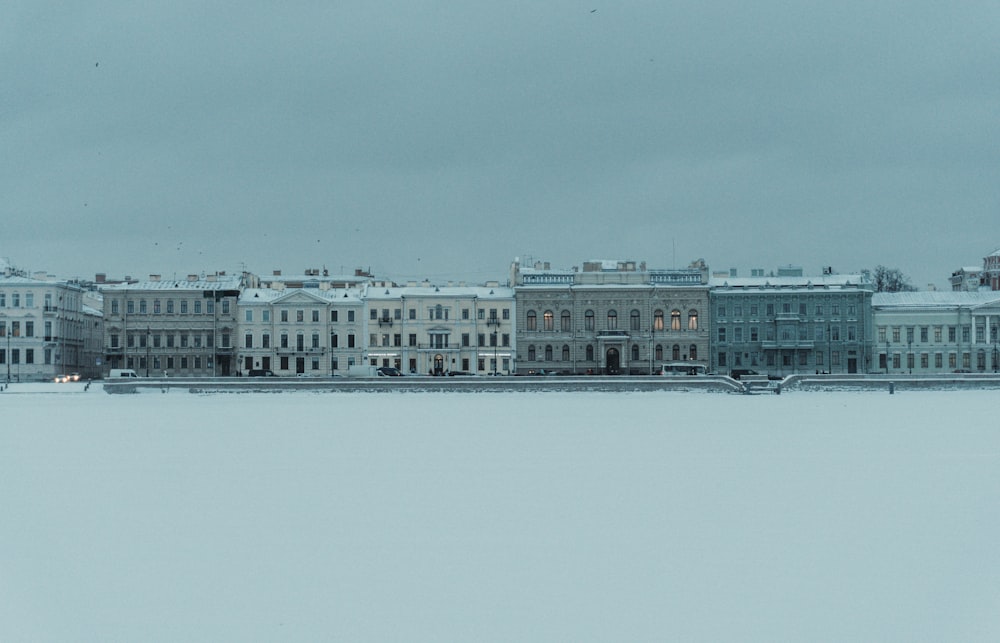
683, 368
121, 372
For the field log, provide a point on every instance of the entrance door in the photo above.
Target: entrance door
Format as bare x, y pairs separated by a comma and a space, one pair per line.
439, 365
300, 365
852, 364
612, 362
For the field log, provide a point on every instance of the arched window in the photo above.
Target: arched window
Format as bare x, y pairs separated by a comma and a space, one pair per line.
659, 352
532, 320
439, 312
658, 320
633, 320
548, 352
531, 353
692, 319
589, 320
565, 353
612, 319
675, 320
565, 322
590, 353
548, 318
693, 352
675, 352
635, 352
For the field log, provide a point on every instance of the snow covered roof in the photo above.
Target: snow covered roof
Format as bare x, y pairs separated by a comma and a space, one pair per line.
819, 281
251, 296
213, 282
468, 292
934, 299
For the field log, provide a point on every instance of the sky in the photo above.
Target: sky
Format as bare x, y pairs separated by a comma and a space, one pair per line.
590, 516
441, 140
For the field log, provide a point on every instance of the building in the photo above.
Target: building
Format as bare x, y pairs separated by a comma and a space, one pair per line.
791, 323
612, 317
967, 279
427, 329
312, 329
169, 327
46, 328
936, 332
991, 271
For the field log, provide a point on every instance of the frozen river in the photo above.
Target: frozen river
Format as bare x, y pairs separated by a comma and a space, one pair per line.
499, 517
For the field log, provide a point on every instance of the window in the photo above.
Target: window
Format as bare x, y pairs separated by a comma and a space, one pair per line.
722, 334
770, 313
225, 340
114, 305
170, 307
315, 340
373, 314
315, 315
531, 353
675, 352
532, 321
634, 320
412, 339
265, 340
197, 310
881, 334
721, 311
937, 334
675, 320
548, 319
156, 306
170, 340
589, 352
548, 352
722, 359
658, 352
635, 352
283, 339
184, 310
334, 340
350, 338
612, 319
565, 353
333, 316
284, 316
565, 322
142, 306
895, 334
465, 339
29, 329
588, 320
300, 316
692, 319
692, 352
225, 306
248, 340
923, 335
658, 320
209, 308
952, 334
265, 316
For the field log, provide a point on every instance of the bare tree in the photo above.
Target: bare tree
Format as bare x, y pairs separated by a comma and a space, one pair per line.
891, 280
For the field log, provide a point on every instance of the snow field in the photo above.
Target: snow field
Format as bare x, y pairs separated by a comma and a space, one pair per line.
500, 517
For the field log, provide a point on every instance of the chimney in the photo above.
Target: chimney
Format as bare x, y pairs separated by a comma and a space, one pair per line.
276, 273
101, 278
192, 277
154, 277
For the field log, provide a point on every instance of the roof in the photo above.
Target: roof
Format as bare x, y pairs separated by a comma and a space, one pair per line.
934, 299
468, 292
224, 282
270, 295
804, 282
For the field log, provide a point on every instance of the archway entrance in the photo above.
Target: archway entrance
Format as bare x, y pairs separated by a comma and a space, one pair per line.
612, 362
439, 364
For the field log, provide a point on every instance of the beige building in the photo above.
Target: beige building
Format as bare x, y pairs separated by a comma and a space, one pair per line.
437, 330
610, 317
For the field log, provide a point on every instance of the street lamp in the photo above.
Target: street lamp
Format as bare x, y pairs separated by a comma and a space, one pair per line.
887, 357
147, 350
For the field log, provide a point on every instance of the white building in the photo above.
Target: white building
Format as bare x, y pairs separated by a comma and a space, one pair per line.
436, 330
308, 331
937, 332
45, 328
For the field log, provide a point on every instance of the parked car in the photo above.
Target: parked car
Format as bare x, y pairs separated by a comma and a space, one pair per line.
737, 373
389, 371
117, 373
260, 372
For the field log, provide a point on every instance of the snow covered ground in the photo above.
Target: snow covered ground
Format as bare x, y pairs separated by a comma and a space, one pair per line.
499, 517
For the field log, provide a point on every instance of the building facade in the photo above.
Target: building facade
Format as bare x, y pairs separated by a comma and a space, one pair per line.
936, 332
611, 317
439, 330
174, 328
781, 325
300, 331
46, 329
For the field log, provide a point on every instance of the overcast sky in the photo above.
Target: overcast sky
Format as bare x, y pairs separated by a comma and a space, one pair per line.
442, 139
